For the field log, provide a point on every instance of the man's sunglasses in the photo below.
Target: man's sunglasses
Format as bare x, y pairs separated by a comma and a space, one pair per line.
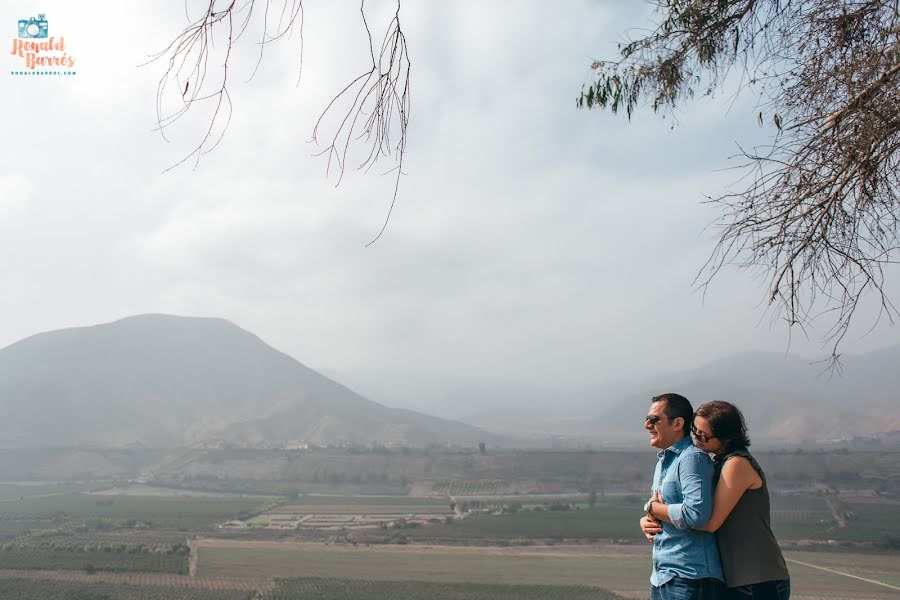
654, 419
701, 435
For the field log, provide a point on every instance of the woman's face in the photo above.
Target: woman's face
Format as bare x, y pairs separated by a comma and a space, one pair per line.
703, 437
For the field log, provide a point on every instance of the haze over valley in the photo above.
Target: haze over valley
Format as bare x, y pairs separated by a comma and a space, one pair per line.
168, 381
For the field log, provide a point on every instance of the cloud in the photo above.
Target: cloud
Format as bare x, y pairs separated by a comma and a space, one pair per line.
15, 195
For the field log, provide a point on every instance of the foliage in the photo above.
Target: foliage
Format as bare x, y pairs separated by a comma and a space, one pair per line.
818, 213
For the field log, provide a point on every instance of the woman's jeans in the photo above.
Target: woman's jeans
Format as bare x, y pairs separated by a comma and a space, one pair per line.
767, 590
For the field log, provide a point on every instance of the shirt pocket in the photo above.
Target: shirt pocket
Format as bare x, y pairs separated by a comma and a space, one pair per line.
671, 492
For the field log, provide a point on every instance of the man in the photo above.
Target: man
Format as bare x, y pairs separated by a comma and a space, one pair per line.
685, 561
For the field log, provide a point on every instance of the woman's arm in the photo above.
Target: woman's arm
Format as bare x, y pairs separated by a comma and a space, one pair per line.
737, 476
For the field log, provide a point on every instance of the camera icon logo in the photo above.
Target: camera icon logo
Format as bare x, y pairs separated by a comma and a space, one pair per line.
33, 27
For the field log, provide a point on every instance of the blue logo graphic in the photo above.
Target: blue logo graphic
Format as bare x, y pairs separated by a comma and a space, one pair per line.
33, 27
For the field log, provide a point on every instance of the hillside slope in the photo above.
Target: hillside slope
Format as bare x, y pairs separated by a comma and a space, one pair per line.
166, 380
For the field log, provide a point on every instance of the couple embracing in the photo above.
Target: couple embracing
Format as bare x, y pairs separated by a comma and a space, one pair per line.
708, 518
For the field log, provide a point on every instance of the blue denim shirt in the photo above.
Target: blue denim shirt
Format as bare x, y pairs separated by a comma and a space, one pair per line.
684, 477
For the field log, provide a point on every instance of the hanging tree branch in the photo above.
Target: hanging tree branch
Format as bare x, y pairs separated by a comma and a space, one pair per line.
379, 109
375, 106
817, 214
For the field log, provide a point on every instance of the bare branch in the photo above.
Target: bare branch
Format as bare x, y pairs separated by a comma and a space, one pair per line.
376, 103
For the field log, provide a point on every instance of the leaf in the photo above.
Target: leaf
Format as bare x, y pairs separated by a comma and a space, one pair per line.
777, 120
186, 85
759, 119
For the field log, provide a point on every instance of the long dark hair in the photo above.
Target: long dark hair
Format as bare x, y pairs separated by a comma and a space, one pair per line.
727, 424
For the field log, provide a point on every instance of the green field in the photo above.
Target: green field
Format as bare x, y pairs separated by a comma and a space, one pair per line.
809, 517
362, 505
349, 589
368, 501
13, 492
99, 560
32, 589
604, 522
161, 511
77, 531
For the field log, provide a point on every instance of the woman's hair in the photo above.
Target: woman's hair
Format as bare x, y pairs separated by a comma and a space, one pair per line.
727, 423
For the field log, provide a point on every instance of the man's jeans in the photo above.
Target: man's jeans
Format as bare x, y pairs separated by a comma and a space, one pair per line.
767, 590
679, 588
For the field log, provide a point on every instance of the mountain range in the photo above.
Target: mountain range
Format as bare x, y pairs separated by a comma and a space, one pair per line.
164, 381
786, 400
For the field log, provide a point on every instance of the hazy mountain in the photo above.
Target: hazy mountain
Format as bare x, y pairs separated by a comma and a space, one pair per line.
165, 380
785, 399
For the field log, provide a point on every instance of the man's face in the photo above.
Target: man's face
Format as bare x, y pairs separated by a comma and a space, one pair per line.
663, 432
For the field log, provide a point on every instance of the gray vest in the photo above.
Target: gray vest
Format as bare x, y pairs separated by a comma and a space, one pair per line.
747, 546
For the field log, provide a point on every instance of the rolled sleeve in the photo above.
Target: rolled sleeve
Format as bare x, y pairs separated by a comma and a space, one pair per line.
697, 493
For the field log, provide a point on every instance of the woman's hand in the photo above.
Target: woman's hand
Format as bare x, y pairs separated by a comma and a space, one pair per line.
659, 511
650, 527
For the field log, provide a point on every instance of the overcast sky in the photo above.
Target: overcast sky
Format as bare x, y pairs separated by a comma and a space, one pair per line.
531, 242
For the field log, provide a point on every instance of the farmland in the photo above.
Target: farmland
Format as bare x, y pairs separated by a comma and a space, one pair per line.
67, 585
621, 569
467, 532
99, 560
162, 512
314, 588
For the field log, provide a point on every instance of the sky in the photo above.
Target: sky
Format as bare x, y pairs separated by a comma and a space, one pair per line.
530, 244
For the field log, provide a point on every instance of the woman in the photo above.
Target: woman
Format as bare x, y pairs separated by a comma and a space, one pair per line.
751, 559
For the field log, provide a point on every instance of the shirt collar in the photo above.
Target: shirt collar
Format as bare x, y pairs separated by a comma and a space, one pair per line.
677, 447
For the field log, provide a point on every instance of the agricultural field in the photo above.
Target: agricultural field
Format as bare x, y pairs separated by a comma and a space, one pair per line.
94, 560
470, 488
80, 531
606, 521
159, 511
37, 589
863, 520
623, 570
339, 504
572, 565
20, 491
881, 567
335, 512
349, 589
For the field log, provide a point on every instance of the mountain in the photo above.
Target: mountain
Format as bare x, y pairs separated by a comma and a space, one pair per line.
165, 380
786, 400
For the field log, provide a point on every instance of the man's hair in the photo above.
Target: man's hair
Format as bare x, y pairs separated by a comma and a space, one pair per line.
727, 423
677, 406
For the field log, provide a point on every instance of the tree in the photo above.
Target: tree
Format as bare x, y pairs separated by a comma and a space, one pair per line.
817, 215
372, 110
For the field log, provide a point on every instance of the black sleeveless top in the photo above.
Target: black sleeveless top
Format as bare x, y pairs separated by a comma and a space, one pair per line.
747, 547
